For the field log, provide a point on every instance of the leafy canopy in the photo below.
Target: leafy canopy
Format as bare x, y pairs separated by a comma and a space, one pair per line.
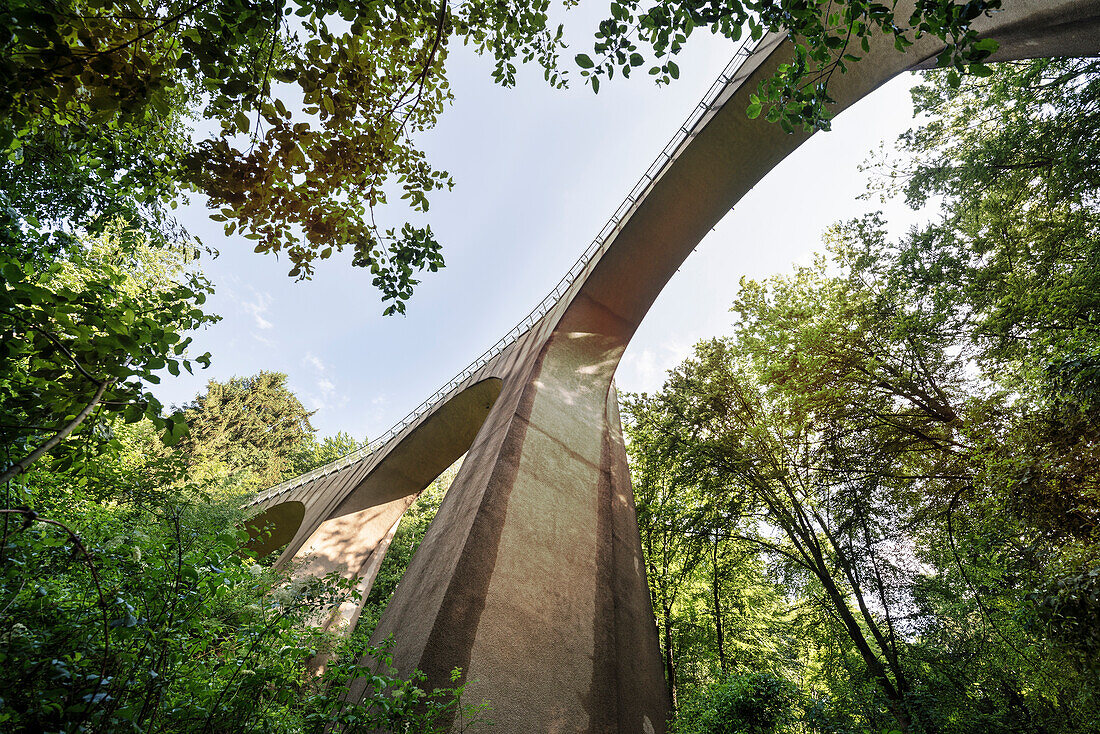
827, 35
310, 107
88, 329
297, 119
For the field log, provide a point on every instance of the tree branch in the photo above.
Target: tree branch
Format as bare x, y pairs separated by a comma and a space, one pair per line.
57, 342
23, 464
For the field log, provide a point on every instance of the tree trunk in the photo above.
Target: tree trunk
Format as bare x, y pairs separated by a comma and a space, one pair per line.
718, 606
894, 696
799, 530
670, 663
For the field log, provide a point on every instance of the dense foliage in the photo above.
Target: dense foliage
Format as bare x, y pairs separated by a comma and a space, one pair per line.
129, 603
127, 600
86, 326
178, 631
310, 108
753, 703
250, 424
888, 473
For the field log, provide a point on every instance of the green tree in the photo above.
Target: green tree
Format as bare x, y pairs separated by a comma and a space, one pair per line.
84, 334
702, 585
331, 448
769, 458
909, 424
1015, 261
666, 516
251, 425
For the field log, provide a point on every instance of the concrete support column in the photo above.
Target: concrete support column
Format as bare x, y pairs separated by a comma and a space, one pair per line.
531, 578
354, 546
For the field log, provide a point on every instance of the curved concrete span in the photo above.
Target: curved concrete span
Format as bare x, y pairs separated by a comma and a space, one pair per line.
531, 578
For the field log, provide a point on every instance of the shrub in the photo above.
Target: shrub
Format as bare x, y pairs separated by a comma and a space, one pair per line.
753, 703
158, 622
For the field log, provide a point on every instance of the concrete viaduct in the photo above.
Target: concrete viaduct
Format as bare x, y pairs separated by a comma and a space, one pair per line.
531, 577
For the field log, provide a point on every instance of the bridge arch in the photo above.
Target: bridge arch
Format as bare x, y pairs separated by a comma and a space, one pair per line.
438, 442
274, 528
353, 537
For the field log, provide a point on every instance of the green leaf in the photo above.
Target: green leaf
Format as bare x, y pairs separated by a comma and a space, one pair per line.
987, 45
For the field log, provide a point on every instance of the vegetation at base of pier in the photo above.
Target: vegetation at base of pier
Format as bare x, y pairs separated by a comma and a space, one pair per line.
178, 631
310, 109
128, 602
127, 599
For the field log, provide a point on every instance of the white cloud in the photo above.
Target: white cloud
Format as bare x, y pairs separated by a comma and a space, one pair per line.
647, 369
257, 307
323, 395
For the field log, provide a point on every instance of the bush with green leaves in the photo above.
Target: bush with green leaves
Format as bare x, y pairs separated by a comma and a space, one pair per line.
157, 621
1067, 610
86, 326
752, 703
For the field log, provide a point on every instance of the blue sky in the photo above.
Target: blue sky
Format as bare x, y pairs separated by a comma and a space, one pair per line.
538, 172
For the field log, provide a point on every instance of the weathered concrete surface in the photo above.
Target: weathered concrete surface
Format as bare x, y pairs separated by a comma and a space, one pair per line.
535, 580
531, 578
345, 521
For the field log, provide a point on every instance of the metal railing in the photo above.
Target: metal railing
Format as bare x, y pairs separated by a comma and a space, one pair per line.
596, 248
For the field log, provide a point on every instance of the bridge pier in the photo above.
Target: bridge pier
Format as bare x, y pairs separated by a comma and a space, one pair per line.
532, 578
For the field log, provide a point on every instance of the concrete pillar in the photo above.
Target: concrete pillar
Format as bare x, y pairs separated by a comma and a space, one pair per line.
532, 578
